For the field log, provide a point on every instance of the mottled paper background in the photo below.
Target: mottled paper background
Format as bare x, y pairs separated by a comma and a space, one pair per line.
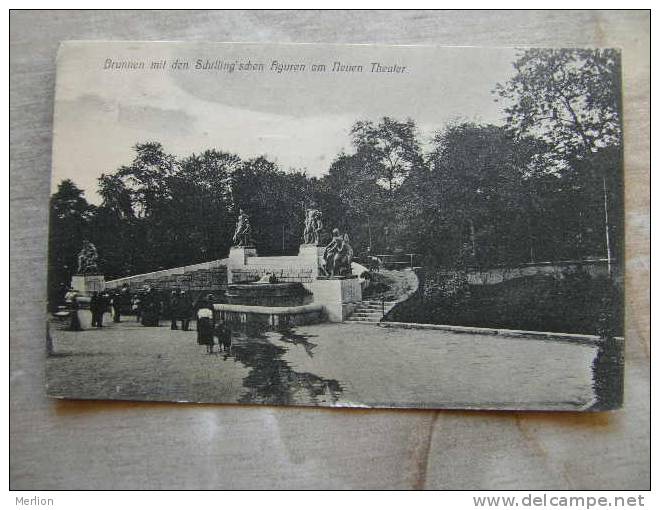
105, 445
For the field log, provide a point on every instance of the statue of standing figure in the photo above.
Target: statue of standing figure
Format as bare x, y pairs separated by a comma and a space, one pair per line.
243, 233
338, 255
88, 258
313, 226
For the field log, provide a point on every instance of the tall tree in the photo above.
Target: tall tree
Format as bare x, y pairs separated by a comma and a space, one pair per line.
114, 227
149, 179
273, 200
572, 99
389, 149
388, 152
477, 201
202, 199
353, 201
70, 214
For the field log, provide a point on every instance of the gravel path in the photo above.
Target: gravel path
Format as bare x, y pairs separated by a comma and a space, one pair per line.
327, 364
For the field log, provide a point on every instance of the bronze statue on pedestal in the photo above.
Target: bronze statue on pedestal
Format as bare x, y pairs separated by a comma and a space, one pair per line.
88, 259
243, 232
338, 255
313, 226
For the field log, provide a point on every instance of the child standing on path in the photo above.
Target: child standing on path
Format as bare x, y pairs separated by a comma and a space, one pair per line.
224, 337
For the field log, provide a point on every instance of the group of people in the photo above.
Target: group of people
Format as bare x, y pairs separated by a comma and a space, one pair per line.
116, 302
149, 306
98, 305
179, 308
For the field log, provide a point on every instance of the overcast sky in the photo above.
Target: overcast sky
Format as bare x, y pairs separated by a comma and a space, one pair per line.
299, 119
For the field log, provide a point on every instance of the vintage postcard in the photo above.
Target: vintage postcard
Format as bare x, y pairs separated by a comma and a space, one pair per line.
337, 225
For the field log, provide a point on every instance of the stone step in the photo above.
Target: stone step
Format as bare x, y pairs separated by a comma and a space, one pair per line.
372, 310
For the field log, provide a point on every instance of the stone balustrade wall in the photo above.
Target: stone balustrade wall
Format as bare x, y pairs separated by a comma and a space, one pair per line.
284, 274
555, 269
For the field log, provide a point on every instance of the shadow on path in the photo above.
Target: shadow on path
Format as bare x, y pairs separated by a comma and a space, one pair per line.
272, 380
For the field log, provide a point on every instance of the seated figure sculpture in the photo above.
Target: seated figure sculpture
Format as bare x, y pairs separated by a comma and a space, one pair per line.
338, 255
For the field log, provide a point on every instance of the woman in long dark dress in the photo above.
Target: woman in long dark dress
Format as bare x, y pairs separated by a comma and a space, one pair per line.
150, 309
71, 299
205, 325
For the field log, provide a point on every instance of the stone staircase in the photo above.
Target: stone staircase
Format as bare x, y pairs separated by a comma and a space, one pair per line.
370, 311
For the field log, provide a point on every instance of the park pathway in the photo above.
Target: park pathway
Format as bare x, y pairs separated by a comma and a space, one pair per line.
325, 364
393, 286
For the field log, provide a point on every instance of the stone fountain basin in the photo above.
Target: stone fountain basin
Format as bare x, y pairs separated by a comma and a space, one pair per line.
275, 317
268, 294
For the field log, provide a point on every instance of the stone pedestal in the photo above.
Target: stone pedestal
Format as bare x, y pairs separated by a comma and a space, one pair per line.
311, 255
339, 296
88, 283
238, 255
238, 259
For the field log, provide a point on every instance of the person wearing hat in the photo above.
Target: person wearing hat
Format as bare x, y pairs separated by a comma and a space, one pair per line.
71, 300
205, 323
172, 308
183, 310
121, 301
150, 308
104, 305
95, 308
136, 307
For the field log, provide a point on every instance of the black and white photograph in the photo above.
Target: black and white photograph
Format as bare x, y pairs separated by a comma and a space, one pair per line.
337, 225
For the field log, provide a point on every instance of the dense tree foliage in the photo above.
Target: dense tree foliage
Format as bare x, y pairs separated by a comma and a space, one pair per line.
572, 100
70, 216
534, 189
